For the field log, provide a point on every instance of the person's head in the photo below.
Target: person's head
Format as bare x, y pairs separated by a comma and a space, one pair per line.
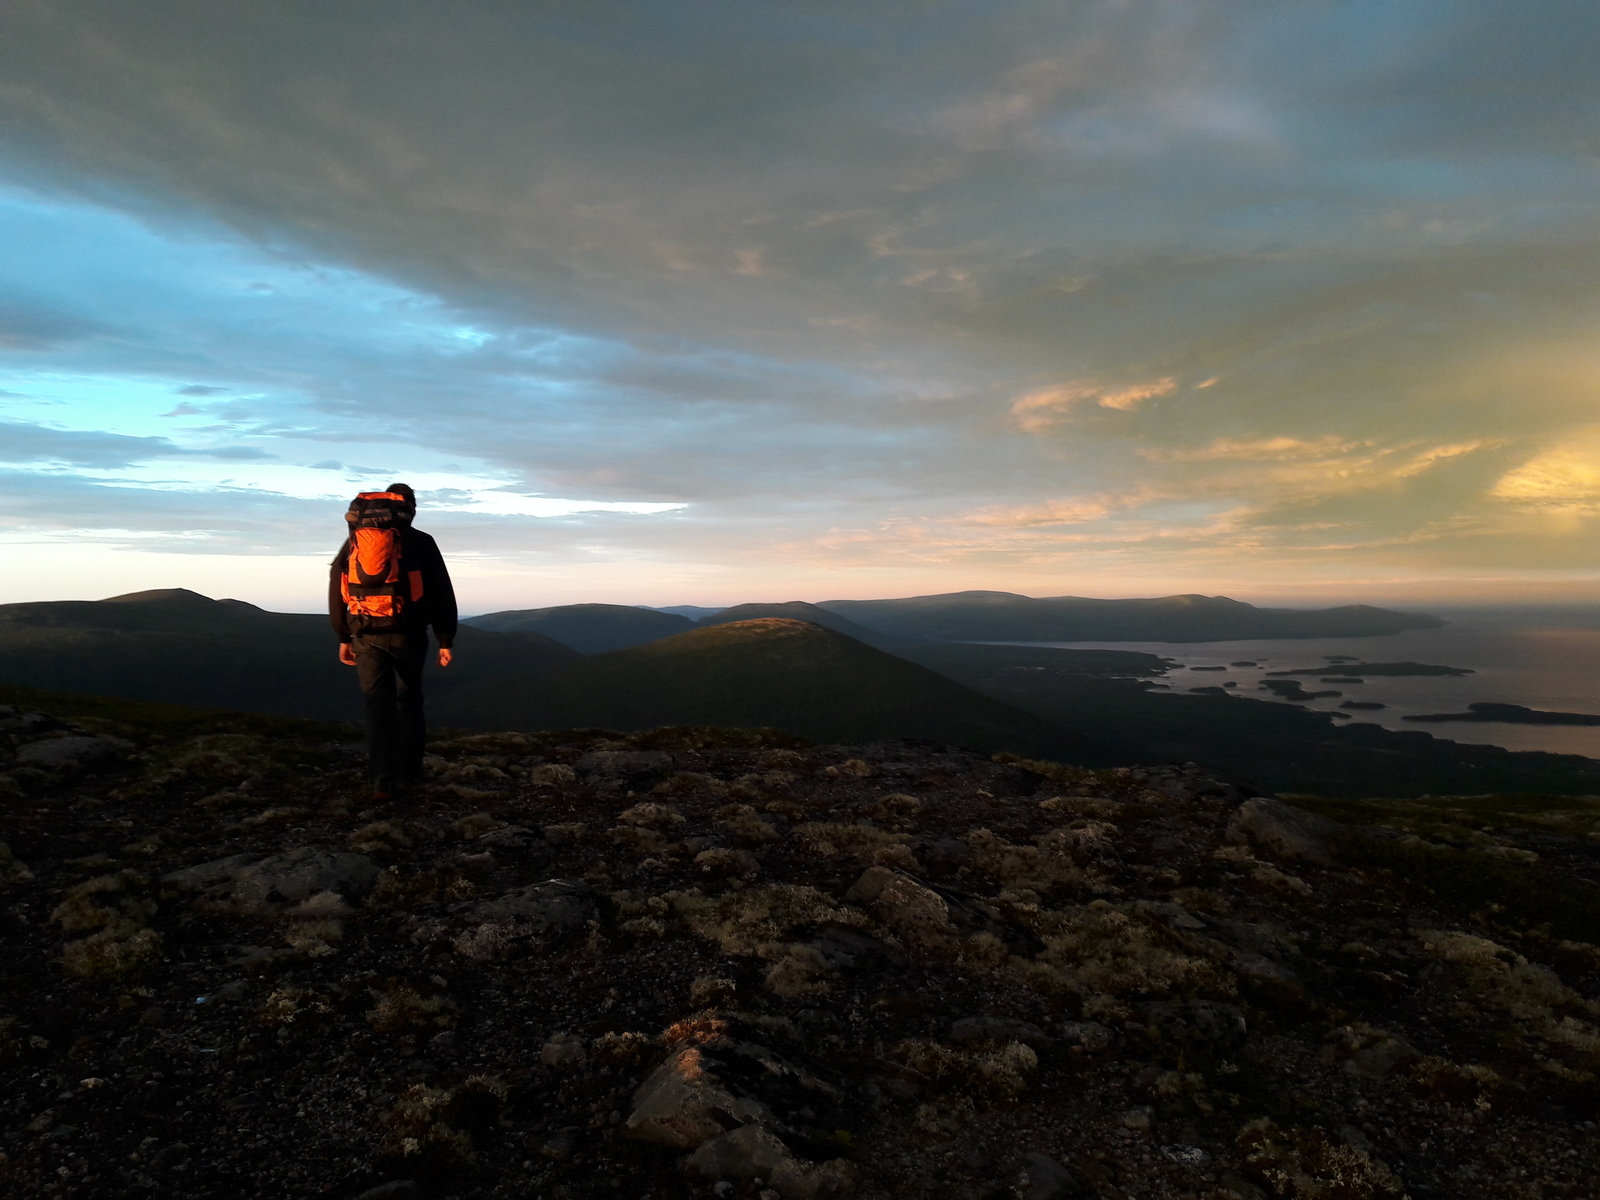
404, 490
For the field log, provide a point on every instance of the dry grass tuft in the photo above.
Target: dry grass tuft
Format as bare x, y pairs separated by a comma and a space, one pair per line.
1038, 868
704, 1030
621, 1049
116, 951
653, 816
743, 822
1000, 1072
553, 775
757, 921
1305, 1164
708, 991
401, 1008
829, 839
1084, 806
1103, 949
287, 1004
431, 1129
316, 939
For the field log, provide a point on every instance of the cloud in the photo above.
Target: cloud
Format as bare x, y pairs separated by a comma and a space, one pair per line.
21, 442
810, 271
1565, 478
1040, 411
34, 325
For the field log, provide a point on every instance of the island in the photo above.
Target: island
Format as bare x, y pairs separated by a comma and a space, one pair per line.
1394, 668
1510, 714
1290, 689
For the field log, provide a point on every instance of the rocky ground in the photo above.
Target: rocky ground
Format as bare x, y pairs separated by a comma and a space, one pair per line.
703, 963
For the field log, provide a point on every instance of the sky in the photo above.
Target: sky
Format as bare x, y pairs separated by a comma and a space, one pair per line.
712, 301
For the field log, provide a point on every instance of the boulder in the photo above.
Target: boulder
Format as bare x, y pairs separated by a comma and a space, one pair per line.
1286, 831
564, 1052
914, 911
623, 762
72, 753
247, 885
749, 1152
11, 868
752, 1152
1090, 1036
1043, 1178
1381, 1059
683, 1104
851, 953
722, 1081
1207, 1028
533, 916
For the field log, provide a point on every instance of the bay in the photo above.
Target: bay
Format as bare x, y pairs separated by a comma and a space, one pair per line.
1543, 658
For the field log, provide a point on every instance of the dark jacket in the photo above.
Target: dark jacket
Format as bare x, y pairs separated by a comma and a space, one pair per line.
438, 607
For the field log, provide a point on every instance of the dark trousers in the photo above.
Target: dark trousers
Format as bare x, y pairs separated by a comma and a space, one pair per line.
390, 668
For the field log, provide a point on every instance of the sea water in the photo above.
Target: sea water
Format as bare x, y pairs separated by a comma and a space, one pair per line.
1546, 659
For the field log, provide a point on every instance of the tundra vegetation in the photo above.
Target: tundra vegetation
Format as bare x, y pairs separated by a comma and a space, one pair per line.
697, 962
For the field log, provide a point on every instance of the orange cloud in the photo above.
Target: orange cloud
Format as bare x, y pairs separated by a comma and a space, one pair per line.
1038, 411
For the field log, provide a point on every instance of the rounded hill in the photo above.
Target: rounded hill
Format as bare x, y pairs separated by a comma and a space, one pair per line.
587, 628
773, 672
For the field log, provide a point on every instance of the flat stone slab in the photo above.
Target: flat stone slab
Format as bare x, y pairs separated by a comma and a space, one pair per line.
72, 753
254, 886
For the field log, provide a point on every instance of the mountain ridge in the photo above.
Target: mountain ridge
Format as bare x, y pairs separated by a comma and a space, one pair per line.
177, 646
768, 672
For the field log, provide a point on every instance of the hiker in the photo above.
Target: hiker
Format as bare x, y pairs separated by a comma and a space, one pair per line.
388, 583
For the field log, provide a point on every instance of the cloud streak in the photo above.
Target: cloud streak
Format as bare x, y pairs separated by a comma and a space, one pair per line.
678, 293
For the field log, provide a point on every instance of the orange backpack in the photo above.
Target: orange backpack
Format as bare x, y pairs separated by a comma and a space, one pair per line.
374, 584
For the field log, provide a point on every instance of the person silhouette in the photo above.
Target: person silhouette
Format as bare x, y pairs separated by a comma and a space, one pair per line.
387, 585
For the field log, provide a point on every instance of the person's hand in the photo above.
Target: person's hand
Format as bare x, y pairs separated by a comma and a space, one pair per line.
444, 657
347, 654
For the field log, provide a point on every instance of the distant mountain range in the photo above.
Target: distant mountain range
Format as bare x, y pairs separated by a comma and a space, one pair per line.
972, 617
184, 648
826, 677
1007, 617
